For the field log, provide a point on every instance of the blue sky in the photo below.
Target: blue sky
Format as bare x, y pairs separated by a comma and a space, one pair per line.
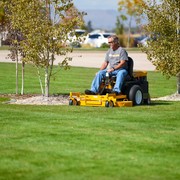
96, 4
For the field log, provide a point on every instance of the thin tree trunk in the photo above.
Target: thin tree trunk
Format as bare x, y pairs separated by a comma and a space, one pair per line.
40, 81
178, 31
46, 83
22, 85
47, 76
16, 72
51, 66
178, 83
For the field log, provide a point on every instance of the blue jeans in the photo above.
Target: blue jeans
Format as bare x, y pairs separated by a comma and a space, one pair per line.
120, 75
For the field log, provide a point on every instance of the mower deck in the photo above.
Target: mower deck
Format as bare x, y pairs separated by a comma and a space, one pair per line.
108, 100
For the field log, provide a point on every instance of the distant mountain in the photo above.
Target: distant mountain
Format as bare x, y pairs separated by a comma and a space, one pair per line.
101, 19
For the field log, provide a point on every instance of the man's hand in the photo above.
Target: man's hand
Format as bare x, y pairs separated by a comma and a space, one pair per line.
110, 70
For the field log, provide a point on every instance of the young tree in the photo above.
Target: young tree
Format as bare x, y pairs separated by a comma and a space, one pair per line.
131, 8
15, 41
164, 27
45, 26
119, 27
15, 55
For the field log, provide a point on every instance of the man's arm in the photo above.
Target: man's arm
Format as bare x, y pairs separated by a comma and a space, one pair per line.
121, 64
104, 65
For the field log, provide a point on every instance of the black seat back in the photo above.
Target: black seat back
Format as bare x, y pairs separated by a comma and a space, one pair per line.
130, 67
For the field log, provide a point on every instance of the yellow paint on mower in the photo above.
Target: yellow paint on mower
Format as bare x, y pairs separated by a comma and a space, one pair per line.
108, 100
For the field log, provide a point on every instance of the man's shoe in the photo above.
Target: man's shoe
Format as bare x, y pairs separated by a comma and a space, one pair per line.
89, 92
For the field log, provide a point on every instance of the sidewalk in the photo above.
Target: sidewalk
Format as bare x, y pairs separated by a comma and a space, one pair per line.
94, 59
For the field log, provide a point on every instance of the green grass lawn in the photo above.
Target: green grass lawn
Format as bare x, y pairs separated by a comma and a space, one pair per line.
70, 142
93, 143
74, 80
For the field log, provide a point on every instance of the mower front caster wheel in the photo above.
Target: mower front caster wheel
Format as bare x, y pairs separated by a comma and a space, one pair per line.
109, 104
73, 102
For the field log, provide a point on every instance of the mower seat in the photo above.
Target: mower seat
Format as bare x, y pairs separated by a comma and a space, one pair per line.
129, 76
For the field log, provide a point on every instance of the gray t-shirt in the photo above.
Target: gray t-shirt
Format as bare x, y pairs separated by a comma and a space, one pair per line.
114, 57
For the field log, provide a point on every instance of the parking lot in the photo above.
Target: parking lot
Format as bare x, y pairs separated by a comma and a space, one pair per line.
94, 59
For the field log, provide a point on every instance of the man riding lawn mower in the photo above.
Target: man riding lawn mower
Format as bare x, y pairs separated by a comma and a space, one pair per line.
116, 86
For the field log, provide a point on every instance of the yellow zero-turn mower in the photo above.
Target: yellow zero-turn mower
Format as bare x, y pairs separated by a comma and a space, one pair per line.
134, 91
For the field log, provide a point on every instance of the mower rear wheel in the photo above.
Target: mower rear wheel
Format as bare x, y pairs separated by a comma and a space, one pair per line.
109, 104
136, 95
148, 100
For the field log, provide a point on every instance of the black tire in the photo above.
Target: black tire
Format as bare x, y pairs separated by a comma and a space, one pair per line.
73, 102
136, 95
70, 102
109, 104
147, 101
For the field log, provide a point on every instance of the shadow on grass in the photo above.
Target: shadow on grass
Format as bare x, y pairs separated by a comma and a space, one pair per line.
157, 103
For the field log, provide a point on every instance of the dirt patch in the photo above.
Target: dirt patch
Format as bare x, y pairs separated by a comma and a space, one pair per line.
62, 99
38, 99
173, 97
